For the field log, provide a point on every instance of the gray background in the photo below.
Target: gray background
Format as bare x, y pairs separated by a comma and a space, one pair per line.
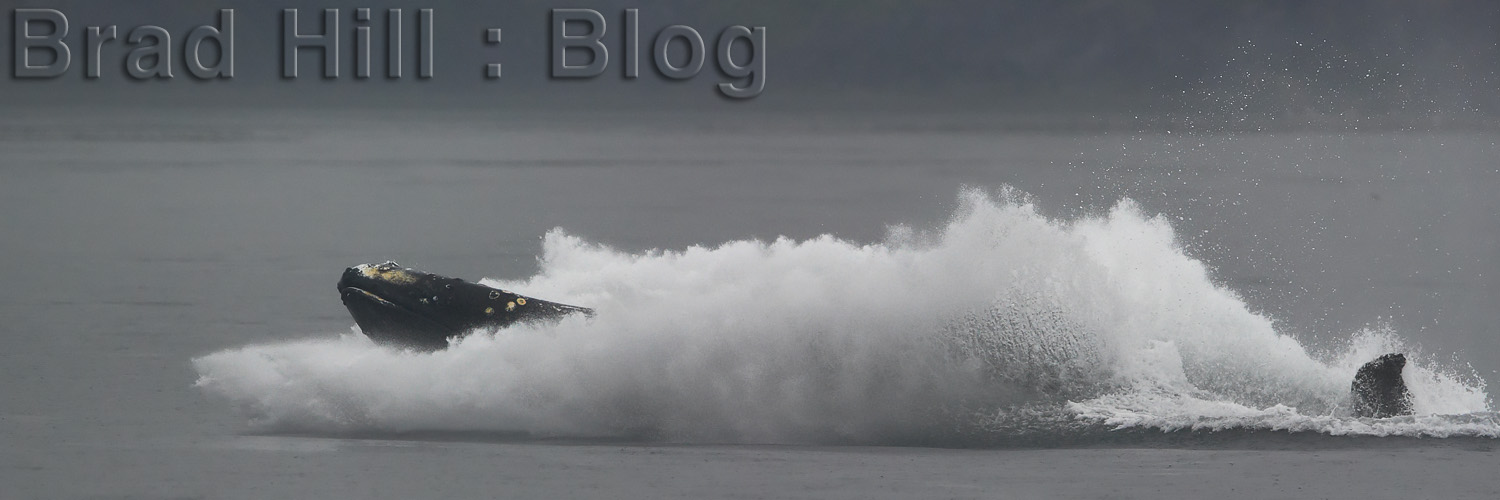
1333, 162
1278, 62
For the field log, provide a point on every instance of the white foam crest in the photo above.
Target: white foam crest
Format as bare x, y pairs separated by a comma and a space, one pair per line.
1178, 412
1444, 404
828, 340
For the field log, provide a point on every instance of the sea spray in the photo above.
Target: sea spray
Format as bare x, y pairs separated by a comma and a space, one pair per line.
1000, 323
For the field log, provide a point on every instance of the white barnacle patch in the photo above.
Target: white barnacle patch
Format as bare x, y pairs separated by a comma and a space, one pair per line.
422, 300
510, 306
494, 294
388, 272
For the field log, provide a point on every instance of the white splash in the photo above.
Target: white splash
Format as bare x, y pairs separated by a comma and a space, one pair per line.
1103, 318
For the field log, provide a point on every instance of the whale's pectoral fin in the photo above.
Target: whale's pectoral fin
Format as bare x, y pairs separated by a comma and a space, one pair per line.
1378, 390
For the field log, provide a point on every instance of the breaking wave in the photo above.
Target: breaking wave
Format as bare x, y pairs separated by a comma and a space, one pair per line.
1002, 326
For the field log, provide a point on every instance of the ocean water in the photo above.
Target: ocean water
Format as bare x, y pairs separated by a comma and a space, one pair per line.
1015, 311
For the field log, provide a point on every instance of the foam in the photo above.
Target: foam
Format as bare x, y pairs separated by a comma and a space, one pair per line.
1101, 320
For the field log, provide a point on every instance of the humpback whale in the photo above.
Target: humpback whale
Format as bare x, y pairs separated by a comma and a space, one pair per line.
403, 307
1378, 391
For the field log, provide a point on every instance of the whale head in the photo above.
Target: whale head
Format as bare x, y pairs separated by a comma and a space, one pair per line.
1378, 390
395, 305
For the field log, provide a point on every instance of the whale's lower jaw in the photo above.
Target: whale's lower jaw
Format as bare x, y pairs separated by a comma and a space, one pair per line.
387, 323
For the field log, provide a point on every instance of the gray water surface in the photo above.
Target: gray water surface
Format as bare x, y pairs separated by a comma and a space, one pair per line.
135, 243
